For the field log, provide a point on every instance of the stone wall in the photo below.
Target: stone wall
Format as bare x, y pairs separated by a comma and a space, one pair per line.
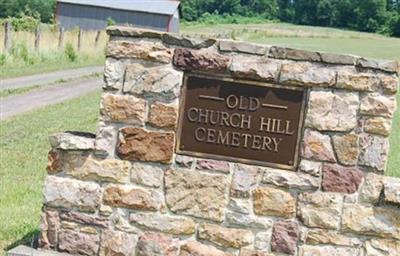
125, 191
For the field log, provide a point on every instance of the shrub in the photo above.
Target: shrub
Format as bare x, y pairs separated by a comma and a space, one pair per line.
70, 52
20, 51
2, 59
23, 23
111, 22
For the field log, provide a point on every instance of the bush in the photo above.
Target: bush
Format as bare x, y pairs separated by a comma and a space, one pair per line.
23, 23
111, 22
70, 52
2, 59
20, 51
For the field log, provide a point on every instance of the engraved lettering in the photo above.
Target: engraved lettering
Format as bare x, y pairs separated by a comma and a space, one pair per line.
267, 143
235, 139
223, 139
211, 135
190, 116
254, 104
232, 101
276, 143
199, 134
246, 137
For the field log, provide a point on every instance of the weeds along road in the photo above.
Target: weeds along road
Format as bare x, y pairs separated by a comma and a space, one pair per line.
48, 78
18, 104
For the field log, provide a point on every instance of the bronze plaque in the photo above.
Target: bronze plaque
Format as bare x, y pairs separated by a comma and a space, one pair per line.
250, 122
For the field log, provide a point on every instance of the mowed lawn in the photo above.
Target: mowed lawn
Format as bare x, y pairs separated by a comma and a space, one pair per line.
24, 144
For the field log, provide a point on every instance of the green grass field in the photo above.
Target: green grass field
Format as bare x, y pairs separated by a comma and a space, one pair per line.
24, 144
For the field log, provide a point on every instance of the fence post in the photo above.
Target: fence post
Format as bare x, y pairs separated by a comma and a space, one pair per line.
7, 36
79, 39
61, 38
37, 38
96, 40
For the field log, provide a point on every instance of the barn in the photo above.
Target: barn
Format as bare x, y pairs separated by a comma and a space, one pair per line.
161, 15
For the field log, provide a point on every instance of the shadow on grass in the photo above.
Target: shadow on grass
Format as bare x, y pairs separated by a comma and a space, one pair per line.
30, 239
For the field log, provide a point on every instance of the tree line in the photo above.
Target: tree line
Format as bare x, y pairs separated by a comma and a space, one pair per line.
382, 16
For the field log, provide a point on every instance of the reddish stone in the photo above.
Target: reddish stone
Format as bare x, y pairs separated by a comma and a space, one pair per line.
49, 227
83, 218
152, 244
138, 144
55, 161
204, 60
284, 237
213, 165
338, 178
78, 243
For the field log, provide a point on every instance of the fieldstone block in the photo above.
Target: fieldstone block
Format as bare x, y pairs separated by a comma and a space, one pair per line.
346, 148
200, 60
292, 180
274, 202
188, 42
306, 74
321, 236
392, 190
332, 111
375, 221
240, 205
310, 167
390, 84
164, 223
307, 250
213, 165
160, 82
320, 210
152, 244
293, 54
126, 31
55, 158
83, 218
249, 252
351, 79
117, 243
193, 248
144, 50
225, 237
385, 65
382, 247
255, 68
72, 141
284, 237
78, 243
114, 74
163, 116
248, 221
378, 125
106, 139
374, 151
184, 161
70, 193
123, 108
343, 59
338, 178
378, 105
242, 47
104, 170
262, 241
245, 178
371, 188
137, 144
317, 146
196, 194
147, 175
131, 198
49, 228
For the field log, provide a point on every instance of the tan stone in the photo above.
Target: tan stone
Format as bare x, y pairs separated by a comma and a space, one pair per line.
306, 74
367, 220
49, 228
378, 105
196, 194
308, 250
117, 243
255, 68
55, 158
138, 144
144, 50
147, 175
164, 223
193, 248
346, 147
371, 188
249, 252
317, 146
69, 193
225, 237
390, 84
378, 125
332, 111
163, 116
392, 190
131, 197
123, 108
352, 80
152, 244
382, 247
274, 202
104, 170
72, 141
89, 230
320, 210
321, 236
242, 47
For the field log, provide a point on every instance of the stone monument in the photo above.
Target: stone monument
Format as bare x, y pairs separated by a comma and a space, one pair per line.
217, 147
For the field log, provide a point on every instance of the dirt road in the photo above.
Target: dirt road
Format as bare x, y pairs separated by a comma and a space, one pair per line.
48, 95
48, 78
